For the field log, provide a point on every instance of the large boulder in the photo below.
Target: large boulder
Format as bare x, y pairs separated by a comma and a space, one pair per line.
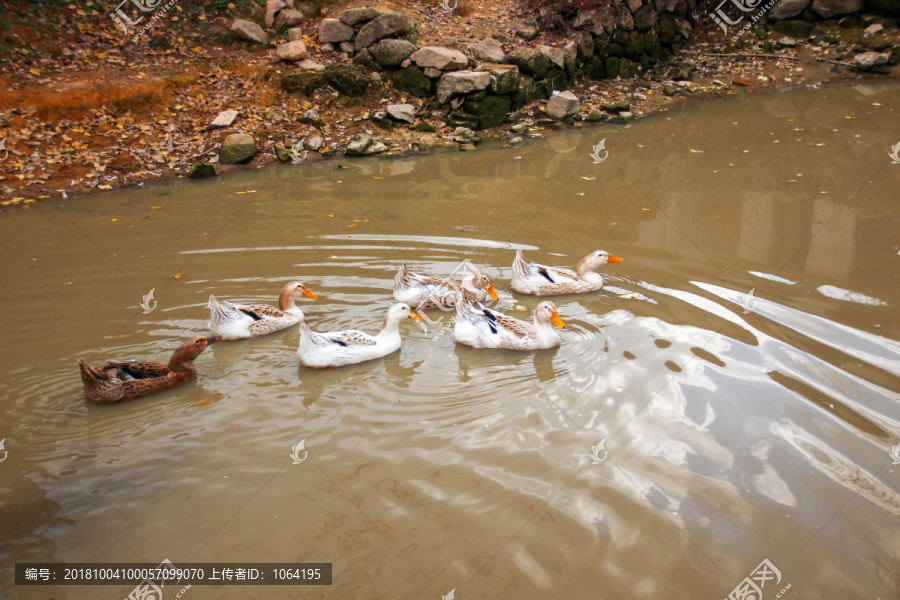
490, 111
292, 51
413, 81
250, 31
363, 145
645, 18
391, 53
868, 60
305, 82
272, 7
788, 9
835, 8
355, 16
563, 105
584, 44
623, 18
389, 25
332, 31
461, 82
437, 57
505, 78
237, 148
530, 61
489, 50
598, 21
348, 79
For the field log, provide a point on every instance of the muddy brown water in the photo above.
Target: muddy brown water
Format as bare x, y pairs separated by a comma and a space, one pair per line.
735, 427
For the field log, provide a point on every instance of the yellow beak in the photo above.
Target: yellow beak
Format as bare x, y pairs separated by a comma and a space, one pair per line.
615, 259
554, 318
309, 294
413, 315
492, 293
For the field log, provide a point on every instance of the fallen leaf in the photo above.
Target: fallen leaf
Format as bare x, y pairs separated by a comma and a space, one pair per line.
332, 215
352, 225
178, 276
202, 401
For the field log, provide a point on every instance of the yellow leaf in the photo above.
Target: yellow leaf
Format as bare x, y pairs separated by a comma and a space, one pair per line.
104, 187
113, 220
155, 207
352, 225
332, 215
178, 276
203, 402
34, 71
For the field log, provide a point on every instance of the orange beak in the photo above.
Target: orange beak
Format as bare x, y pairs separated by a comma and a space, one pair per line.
414, 316
554, 318
309, 294
615, 259
492, 293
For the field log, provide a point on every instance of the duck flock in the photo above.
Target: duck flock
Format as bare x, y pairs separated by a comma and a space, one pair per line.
475, 325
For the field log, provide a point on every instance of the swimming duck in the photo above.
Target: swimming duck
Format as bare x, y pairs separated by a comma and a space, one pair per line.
129, 379
234, 321
540, 280
481, 327
337, 348
430, 292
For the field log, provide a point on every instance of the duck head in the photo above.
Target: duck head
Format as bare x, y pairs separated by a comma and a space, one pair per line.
477, 280
596, 259
546, 312
396, 313
193, 348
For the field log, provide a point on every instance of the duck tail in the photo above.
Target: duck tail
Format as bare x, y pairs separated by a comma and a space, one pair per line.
519, 266
89, 375
221, 312
401, 279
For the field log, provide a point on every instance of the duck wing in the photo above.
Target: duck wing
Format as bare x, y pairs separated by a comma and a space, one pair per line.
261, 311
497, 321
350, 337
139, 369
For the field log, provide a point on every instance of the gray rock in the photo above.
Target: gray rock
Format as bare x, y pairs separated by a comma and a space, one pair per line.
402, 112
562, 105
835, 8
505, 78
554, 55
326, 48
489, 50
224, 119
623, 18
464, 134
868, 60
683, 27
570, 55
406, 63
530, 61
287, 18
375, 148
358, 145
250, 31
389, 25
527, 33
201, 170
412, 81
461, 82
633, 5
354, 16
237, 148
392, 53
311, 117
347, 48
432, 72
436, 57
292, 51
272, 7
305, 82
295, 34
788, 9
786, 42
314, 142
584, 43
332, 31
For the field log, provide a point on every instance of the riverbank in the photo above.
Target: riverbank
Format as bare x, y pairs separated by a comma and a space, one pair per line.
84, 108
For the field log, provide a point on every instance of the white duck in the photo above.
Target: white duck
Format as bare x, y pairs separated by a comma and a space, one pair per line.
235, 321
540, 280
431, 292
482, 327
337, 348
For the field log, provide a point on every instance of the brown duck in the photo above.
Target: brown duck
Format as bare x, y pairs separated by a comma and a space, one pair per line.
129, 379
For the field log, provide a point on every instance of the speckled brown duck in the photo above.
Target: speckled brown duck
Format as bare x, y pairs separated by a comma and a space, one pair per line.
129, 379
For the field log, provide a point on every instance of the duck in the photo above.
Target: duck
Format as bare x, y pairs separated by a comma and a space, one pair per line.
123, 380
540, 280
235, 321
431, 292
482, 327
339, 348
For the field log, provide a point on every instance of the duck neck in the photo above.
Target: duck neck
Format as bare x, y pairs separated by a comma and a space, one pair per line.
182, 366
286, 301
544, 331
586, 272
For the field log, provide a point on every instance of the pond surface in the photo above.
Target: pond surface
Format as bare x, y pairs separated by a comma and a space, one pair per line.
739, 370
